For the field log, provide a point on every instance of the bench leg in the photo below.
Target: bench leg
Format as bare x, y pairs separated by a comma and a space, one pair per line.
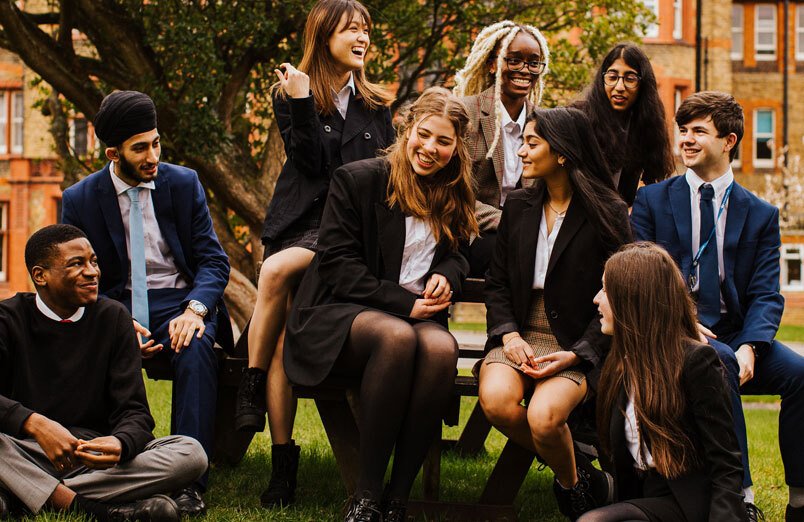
431, 471
474, 434
230, 444
339, 423
506, 479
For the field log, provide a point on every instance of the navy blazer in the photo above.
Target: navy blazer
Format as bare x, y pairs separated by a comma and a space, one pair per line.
181, 211
754, 304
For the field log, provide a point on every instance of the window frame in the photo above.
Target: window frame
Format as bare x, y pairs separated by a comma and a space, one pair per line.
653, 29
788, 255
737, 54
4, 210
799, 32
5, 122
678, 19
17, 147
764, 163
760, 57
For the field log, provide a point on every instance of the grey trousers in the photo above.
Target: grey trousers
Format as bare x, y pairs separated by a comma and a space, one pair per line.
166, 465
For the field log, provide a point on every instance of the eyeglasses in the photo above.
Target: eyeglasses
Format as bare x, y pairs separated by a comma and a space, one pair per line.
517, 64
630, 80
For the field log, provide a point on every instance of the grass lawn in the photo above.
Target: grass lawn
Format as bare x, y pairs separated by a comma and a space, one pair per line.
791, 332
234, 492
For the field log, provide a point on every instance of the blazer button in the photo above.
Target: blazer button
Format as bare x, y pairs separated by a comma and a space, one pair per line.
327, 128
553, 314
367, 136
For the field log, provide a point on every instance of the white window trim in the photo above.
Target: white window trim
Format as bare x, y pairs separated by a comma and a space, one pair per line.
678, 19
4, 122
737, 54
799, 32
653, 29
764, 163
4, 238
786, 256
764, 57
16, 148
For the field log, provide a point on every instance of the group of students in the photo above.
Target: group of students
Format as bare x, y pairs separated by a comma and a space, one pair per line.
372, 229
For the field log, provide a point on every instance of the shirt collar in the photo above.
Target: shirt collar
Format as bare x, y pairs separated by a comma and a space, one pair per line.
349, 85
720, 184
520, 120
50, 314
121, 186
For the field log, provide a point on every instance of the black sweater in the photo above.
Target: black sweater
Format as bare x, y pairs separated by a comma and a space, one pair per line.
85, 374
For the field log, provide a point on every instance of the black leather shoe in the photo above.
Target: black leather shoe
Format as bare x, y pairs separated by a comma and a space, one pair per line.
250, 404
792, 514
5, 505
754, 513
363, 510
190, 502
394, 510
158, 508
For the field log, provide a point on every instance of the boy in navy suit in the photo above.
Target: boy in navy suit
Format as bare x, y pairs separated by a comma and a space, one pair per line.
726, 242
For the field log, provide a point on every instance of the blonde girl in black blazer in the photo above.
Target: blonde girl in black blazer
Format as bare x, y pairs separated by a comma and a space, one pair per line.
664, 414
544, 335
328, 115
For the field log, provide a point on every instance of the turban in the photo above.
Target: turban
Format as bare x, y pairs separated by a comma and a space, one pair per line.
122, 115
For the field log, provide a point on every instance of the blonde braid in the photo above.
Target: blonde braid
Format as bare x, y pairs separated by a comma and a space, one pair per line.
473, 78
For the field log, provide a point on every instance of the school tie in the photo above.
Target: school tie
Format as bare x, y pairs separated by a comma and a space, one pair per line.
139, 286
708, 277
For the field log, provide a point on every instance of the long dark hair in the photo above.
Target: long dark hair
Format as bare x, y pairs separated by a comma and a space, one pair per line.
647, 149
568, 132
654, 323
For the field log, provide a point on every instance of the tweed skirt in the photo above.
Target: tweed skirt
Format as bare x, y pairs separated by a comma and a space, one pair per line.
539, 336
303, 233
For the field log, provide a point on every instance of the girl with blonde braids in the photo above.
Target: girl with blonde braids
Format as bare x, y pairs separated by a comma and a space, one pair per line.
502, 81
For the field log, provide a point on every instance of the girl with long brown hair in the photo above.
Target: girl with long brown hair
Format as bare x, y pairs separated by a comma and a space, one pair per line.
664, 414
373, 303
328, 114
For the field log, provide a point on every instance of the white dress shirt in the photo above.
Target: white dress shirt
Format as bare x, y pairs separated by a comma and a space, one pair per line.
342, 97
417, 257
512, 141
160, 267
50, 314
633, 439
544, 248
719, 185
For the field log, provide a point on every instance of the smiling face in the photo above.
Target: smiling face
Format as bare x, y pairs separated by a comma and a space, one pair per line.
604, 309
137, 159
349, 43
70, 279
538, 160
702, 150
432, 142
518, 84
620, 97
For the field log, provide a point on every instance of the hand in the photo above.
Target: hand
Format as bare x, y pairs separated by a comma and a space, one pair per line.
426, 308
551, 364
516, 349
182, 328
704, 332
295, 83
745, 359
148, 349
54, 439
100, 452
438, 288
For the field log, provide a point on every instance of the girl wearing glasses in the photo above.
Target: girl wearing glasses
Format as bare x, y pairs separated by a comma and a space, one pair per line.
501, 83
664, 414
328, 114
627, 115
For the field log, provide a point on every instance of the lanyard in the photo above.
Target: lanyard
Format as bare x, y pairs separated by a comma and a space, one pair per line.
697, 258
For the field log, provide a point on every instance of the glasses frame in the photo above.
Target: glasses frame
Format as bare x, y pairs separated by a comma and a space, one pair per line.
529, 64
622, 77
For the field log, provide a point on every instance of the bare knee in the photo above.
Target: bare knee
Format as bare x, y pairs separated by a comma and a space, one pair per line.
545, 421
501, 405
277, 277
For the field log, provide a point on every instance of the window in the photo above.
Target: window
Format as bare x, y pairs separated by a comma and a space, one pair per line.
792, 259
653, 29
766, 32
678, 97
3, 241
736, 32
78, 136
678, 19
763, 138
800, 32
12, 115
3, 122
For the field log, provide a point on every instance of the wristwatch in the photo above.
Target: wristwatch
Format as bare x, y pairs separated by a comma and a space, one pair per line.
197, 307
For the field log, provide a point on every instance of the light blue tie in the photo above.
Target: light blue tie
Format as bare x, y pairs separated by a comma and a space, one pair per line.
139, 285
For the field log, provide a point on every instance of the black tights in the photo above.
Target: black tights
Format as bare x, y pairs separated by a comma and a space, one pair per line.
620, 512
407, 375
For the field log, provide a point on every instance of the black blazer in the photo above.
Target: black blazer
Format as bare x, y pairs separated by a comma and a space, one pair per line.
713, 490
360, 246
573, 274
316, 145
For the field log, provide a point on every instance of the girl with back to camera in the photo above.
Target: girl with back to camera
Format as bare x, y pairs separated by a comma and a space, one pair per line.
627, 115
328, 114
544, 335
664, 415
502, 81
373, 303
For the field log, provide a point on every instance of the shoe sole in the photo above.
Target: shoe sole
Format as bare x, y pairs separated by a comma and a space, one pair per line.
250, 423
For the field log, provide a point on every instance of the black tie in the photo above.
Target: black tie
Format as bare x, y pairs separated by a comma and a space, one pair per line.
708, 278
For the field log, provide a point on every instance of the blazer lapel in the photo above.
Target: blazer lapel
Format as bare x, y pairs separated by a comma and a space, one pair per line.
682, 216
390, 229
357, 119
163, 210
107, 200
488, 122
573, 221
529, 236
735, 221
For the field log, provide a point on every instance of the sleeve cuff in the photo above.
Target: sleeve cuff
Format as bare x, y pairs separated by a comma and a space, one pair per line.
16, 419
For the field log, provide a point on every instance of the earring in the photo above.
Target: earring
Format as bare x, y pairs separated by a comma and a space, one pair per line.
561, 161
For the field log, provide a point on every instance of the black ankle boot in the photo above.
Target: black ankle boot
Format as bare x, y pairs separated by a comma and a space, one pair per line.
792, 514
364, 510
394, 510
593, 489
284, 466
250, 404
